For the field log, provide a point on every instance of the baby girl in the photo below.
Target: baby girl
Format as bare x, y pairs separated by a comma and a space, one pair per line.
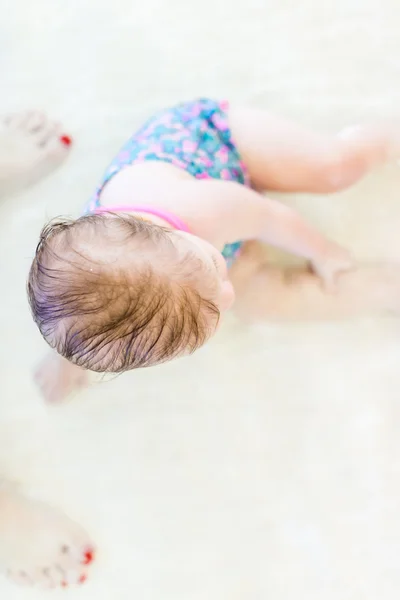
168, 239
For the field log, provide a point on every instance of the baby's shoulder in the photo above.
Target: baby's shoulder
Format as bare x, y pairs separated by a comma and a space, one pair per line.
135, 183
155, 184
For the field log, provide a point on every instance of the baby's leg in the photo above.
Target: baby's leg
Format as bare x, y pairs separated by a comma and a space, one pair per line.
31, 146
272, 293
38, 545
281, 155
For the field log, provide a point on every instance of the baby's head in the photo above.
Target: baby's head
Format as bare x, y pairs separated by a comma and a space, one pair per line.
114, 292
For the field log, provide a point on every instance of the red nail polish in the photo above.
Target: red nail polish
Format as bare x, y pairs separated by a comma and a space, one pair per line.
88, 557
66, 140
82, 579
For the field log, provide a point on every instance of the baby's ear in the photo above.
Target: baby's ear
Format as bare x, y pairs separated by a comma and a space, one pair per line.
227, 296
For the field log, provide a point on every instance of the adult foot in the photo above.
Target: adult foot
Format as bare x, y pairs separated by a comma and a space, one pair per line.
31, 146
40, 546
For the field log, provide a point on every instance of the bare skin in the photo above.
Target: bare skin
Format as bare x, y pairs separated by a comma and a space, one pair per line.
279, 155
286, 157
294, 294
39, 546
31, 147
57, 378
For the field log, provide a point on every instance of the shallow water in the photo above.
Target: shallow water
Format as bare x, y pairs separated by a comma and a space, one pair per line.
268, 465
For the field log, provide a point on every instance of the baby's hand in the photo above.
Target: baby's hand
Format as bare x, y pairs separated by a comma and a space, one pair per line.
333, 261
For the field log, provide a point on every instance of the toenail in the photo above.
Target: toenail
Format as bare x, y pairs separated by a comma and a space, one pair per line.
66, 140
82, 579
88, 557
64, 584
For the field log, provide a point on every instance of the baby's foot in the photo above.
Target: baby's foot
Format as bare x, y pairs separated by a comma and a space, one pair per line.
40, 546
57, 378
31, 146
383, 285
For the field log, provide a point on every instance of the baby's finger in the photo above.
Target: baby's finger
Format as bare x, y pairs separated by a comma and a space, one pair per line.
329, 282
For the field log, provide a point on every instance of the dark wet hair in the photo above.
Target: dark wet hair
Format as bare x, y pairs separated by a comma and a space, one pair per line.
111, 318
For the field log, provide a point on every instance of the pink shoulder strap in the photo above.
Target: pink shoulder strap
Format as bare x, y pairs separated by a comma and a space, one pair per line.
168, 217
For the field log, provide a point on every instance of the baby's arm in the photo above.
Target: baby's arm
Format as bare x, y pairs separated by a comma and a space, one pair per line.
239, 213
